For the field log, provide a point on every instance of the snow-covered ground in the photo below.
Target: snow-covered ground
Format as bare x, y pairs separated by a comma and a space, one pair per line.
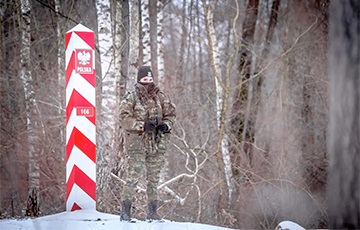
93, 220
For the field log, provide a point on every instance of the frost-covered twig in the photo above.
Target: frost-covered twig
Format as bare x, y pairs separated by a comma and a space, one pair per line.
167, 189
175, 179
124, 182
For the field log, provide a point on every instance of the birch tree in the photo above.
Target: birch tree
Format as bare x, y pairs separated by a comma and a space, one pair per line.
117, 57
31, 113
107, 67
160, 46
60, 48
108, 102
60, 61
222, 95
145, 22
134, 45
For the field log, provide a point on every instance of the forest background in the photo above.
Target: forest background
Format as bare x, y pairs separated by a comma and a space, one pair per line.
249, 79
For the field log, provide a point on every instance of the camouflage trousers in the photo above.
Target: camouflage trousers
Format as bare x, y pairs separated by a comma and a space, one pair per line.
143, 153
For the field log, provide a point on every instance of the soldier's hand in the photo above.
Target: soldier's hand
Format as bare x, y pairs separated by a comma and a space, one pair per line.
149, 126
162, 127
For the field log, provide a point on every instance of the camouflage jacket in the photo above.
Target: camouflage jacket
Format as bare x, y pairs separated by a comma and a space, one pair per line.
135, 111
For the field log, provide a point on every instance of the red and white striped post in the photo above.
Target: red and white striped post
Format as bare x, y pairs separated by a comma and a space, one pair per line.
80, 119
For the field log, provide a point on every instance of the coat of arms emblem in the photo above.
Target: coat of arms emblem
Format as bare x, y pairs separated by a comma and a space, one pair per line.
84, 57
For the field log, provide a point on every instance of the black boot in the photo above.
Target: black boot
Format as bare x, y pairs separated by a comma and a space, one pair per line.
125, 214
152, 211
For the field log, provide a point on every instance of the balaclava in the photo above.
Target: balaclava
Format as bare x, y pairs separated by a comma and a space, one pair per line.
145, 71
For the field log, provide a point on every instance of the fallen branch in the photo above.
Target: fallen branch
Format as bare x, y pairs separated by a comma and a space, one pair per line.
163, 186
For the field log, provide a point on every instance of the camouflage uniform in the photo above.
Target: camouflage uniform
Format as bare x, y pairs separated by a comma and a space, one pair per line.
142, 149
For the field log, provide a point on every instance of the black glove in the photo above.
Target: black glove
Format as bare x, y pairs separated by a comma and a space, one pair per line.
149, 126
162, 127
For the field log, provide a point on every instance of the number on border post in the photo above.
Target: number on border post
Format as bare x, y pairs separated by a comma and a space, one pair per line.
85, 111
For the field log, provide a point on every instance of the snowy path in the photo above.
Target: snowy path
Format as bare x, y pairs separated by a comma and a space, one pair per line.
93, 220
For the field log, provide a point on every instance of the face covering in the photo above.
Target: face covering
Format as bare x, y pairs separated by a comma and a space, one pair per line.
148, 85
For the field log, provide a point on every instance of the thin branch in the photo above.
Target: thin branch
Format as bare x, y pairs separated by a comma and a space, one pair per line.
166, 188
275, 59
52, 9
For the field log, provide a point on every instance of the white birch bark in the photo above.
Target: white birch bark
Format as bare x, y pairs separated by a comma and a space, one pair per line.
108, 102
117, 57
145, 22
134, 45
160, 46
215, 59
60, 67
30, 103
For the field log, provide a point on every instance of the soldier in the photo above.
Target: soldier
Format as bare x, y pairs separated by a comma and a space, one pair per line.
147, 117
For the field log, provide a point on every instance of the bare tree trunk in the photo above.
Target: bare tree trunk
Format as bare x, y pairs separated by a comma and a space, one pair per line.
248, 36
180, 74
187, 71
343, 190
118, 47
106, 50
160, 46
106, 147
145, 23
125, 29
200, 64
60, 68
271, 28
153, 36
244, 68
31, 113
134, 45
60, 48
222, 94
9, 119
247, 135
249, 105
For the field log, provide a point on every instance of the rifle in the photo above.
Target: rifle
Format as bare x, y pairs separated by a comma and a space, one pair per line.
155, 121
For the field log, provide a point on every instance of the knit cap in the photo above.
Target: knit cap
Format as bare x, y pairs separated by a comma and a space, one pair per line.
144, 71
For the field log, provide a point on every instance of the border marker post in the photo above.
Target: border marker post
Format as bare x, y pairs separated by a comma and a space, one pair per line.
80, 119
